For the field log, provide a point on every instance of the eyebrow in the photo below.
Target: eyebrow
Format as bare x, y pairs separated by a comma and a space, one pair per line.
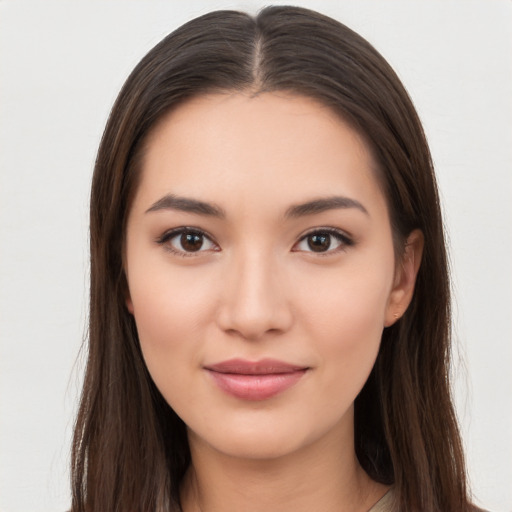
323, 204
186, 204
315, 206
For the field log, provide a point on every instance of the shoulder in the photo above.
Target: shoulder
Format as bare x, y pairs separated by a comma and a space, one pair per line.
384, 504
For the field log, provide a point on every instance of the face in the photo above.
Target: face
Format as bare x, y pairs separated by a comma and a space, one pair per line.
261, 270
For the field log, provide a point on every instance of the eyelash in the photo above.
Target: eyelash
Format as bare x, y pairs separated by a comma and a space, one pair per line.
169, 235
344, 240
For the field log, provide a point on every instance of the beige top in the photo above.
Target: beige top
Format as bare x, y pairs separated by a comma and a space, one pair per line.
384, 504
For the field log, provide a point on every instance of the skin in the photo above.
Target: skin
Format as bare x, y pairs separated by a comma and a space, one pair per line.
256, 289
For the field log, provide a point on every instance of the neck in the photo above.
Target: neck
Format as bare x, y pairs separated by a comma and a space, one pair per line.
325, 475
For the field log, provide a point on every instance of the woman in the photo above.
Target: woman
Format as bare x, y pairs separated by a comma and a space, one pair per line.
269, 316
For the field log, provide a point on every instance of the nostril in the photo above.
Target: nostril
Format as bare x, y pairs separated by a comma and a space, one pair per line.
252, 323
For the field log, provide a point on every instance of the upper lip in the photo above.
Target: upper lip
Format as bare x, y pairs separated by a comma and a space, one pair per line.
261, 367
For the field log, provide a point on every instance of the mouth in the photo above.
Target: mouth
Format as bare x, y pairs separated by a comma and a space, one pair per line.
255, 380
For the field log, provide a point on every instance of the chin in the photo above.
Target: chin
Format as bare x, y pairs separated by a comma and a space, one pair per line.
265, 446
266, 438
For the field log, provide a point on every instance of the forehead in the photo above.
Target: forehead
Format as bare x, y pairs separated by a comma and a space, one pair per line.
276, 145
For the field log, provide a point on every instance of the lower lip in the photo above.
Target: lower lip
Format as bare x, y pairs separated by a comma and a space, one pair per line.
256, 387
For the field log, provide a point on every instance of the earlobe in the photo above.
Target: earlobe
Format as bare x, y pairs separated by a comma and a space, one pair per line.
405, 278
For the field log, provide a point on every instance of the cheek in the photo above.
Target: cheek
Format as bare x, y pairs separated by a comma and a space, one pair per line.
345, 314
167, 298
347, 302
170, 311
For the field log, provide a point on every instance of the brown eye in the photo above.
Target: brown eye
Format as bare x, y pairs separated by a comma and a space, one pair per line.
324, 241
191, 242
186, 242
319, 242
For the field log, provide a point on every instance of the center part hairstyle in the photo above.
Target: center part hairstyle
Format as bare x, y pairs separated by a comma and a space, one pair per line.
130, 449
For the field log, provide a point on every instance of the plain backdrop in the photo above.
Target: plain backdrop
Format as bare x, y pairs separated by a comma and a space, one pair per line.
61, 66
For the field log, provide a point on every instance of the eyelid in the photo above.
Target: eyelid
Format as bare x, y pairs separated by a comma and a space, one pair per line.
342, 236
172, 233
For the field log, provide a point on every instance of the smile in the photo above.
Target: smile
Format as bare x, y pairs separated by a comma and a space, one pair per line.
258, 380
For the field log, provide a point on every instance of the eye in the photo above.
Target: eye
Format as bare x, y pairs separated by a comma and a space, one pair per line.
324, 241
186, 241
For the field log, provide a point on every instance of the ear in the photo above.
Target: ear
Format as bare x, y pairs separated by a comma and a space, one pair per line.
127, 295
128, 298
129, 303
405, 278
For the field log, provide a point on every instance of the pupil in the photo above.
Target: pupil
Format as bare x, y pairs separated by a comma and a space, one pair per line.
319, 243
191, 241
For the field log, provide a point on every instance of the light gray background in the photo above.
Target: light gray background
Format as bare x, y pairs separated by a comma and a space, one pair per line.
61, 66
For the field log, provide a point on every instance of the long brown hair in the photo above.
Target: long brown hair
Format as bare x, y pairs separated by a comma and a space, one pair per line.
130, 449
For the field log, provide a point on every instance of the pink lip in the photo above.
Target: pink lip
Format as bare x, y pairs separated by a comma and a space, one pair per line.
257, 380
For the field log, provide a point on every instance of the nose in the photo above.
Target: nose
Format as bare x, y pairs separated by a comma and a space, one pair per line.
254, 300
